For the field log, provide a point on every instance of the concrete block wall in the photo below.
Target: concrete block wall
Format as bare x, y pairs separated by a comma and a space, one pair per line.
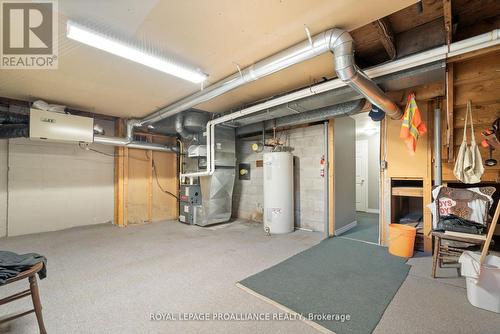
309, 187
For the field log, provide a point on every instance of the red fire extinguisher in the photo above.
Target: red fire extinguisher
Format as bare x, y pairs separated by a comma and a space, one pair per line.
322, 166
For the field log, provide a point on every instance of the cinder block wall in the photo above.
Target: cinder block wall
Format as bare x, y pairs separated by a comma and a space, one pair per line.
308, 148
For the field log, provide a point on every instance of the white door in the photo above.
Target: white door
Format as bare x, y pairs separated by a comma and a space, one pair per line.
361, 175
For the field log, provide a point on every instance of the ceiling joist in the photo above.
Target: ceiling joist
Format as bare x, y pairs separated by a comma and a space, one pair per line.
448, 24
386, 36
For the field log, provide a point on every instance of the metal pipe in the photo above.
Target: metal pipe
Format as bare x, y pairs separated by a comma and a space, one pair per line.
440, 53
437, 145
472, 44
348, 72
346, 108
327, 175
337, 40
179, 127
117, 141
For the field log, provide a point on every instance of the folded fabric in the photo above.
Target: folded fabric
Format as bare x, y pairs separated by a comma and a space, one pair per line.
458, 224
11, 264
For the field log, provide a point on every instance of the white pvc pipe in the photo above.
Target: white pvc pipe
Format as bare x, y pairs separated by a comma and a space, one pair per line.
468, 45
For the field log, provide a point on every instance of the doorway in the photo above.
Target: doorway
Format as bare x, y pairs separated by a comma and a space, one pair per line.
367, 157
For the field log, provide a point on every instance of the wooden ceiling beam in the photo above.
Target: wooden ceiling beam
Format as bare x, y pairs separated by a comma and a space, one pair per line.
386, 36
448, 21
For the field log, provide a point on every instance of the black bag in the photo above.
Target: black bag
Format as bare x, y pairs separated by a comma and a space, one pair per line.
458, 224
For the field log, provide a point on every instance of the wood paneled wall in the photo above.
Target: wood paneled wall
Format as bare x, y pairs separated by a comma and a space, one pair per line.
478, 80
140, 195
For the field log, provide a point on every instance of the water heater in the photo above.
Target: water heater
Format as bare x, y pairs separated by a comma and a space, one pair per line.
278, 192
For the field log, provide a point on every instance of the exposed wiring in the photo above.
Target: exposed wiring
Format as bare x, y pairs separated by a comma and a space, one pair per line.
148, 158
86, 147
159, 185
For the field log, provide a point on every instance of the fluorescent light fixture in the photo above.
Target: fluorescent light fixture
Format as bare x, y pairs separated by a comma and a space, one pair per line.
99, 40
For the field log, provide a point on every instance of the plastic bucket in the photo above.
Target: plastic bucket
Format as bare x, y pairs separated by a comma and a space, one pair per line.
483, 281
401, 240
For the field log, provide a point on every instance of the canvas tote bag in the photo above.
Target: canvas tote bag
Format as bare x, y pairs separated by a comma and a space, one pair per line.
469, 165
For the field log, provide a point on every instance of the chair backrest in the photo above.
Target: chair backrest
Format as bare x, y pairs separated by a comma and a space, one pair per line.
456, 201
27, 273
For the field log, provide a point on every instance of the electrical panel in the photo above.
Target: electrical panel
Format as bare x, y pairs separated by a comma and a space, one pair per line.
49, 125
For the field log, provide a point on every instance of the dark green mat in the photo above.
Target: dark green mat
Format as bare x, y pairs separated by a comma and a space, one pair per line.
366, 228
336, 276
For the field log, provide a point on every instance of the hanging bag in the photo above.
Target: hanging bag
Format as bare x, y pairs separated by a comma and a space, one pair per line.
469, 165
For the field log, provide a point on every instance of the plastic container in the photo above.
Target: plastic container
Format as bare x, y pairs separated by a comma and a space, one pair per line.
483, 282
401, 240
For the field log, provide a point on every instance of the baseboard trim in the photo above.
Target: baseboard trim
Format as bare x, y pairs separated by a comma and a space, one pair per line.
346, 228
373, 211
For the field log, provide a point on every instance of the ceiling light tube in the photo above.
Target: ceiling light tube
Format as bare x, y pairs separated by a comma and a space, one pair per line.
100, 41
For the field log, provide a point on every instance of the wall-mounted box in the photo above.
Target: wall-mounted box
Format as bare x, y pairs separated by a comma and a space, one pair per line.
55, 126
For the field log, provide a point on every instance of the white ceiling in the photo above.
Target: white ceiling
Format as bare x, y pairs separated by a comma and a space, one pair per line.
213, 35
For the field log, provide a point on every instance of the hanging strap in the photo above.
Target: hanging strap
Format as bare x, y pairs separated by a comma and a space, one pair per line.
473, 135
464, 138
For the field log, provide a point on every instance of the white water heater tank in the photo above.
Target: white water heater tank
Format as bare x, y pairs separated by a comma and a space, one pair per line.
278, 192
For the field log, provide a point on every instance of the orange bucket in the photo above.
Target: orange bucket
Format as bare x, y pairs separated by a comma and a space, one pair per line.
401, 240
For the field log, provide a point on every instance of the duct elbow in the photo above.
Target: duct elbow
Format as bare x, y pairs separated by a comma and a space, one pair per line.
179, 127
341, 44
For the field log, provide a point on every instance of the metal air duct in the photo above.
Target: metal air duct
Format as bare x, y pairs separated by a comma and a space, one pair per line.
336, 40
117, 141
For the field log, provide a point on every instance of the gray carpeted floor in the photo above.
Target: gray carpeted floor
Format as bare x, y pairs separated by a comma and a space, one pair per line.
103, 279
366, 228
343, 276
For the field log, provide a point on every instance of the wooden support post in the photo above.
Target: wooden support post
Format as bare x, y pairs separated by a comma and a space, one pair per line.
383, 204
121, 179
386, 36
449, 112
448, 24
331, 180
427, 181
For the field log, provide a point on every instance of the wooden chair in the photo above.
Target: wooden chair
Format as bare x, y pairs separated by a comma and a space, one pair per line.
444, 253
30, 274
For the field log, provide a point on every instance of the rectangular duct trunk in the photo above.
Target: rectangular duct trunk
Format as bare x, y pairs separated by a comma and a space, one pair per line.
217, 189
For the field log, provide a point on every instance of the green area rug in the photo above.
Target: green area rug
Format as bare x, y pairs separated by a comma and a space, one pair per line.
337, 276
366, 228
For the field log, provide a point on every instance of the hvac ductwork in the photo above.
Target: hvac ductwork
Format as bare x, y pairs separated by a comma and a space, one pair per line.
179, 127
8, 131
336, 40
346, 108
117, 141
13, 125
349, 73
